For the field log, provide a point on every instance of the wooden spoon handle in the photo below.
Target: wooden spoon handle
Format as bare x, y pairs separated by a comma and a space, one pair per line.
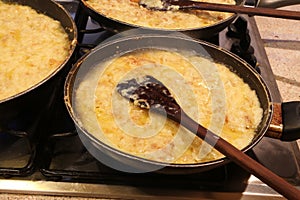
240, 158
269, 12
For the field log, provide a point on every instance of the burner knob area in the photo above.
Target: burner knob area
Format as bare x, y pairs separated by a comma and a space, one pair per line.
245, 42
236, 49
238, 28
251, 59
245, 53
242, 44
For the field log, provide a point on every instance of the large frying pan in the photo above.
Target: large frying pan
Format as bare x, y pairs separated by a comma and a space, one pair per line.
129, 163
34, 100
205, 32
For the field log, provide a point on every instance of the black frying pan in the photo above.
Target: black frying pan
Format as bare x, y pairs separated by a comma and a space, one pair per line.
118, 26
125, 162
205, 32
34, 99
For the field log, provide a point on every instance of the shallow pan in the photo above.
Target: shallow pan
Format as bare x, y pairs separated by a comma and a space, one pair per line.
204, 32
129, 163
34, 100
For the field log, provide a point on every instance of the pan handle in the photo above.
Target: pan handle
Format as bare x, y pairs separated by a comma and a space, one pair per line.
285, 124
276, 3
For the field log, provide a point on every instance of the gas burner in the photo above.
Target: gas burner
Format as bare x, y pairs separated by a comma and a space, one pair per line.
238, 28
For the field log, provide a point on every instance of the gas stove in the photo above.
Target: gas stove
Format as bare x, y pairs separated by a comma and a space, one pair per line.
56, 163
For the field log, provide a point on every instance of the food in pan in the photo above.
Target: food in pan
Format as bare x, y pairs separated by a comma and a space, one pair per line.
129, 11
32, 46
209, 92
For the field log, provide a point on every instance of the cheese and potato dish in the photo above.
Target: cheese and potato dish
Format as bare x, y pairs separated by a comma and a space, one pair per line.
32, 46
208, 92
129, 11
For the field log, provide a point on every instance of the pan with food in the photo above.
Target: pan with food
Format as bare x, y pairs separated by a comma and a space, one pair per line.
122, 15
37, 40
216, 88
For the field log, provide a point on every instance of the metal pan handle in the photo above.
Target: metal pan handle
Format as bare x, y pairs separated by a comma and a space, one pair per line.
285, 124
276, 3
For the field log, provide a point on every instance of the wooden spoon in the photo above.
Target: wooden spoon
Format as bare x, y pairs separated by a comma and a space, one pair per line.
147, 92
164, 5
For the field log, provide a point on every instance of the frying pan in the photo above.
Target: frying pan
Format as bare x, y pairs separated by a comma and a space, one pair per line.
119, 160
205, 32
35, 99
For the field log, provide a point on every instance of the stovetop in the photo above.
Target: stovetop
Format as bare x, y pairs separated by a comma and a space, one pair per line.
58, 164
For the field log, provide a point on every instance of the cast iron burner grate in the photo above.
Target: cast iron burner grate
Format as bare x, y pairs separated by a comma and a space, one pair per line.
17, 154
67, 160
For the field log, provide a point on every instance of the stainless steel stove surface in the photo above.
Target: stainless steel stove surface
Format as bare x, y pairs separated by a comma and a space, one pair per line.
58, 164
